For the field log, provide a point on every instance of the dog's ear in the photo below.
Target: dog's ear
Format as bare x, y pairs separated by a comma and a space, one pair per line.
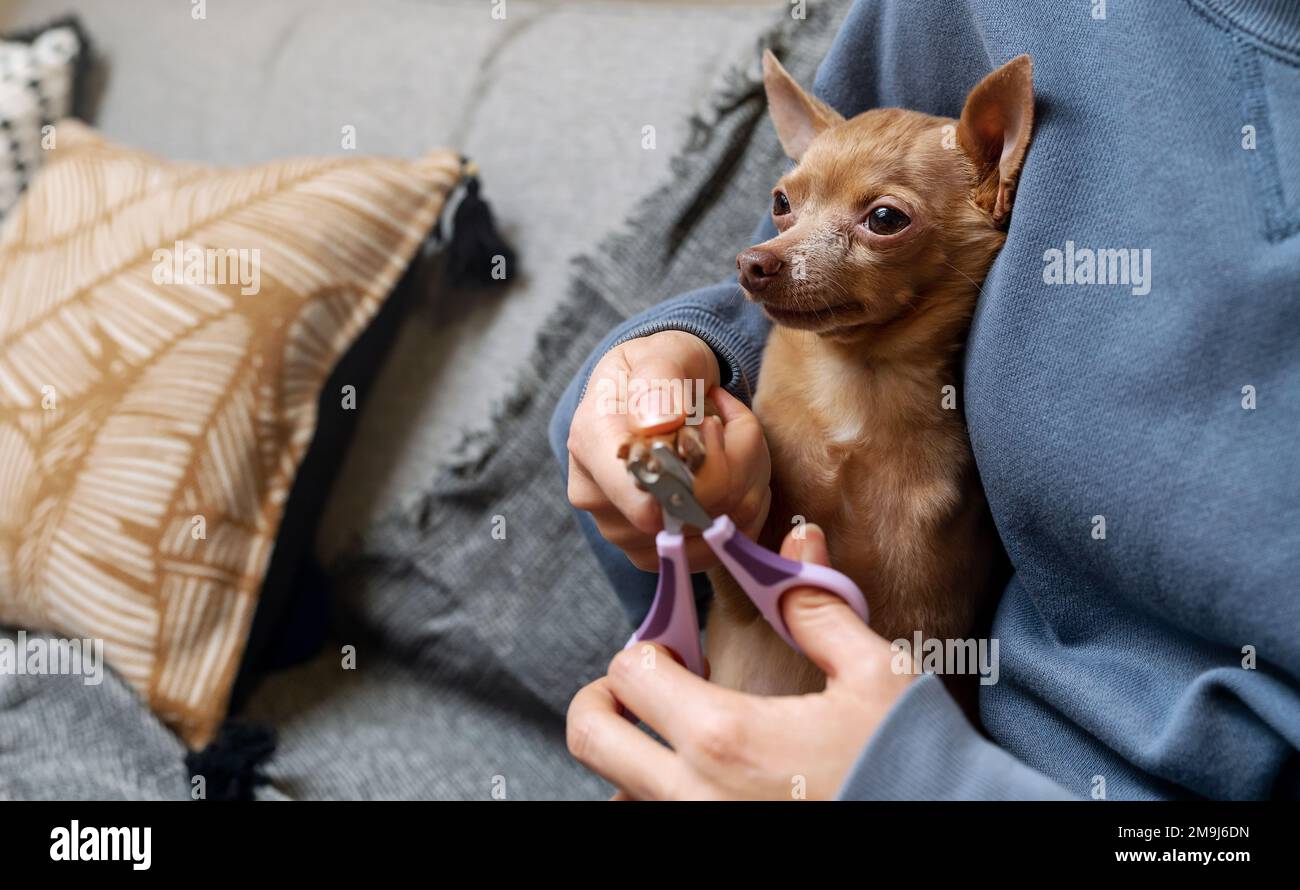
994, 133
798, 116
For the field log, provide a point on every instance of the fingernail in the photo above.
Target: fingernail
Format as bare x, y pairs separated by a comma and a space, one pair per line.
651, 424
653, 418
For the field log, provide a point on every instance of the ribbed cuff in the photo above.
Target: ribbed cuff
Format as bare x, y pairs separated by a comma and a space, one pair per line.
1273, 23
927, 750
738, 356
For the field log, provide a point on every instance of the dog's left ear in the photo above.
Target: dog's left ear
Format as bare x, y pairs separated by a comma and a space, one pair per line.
994, 132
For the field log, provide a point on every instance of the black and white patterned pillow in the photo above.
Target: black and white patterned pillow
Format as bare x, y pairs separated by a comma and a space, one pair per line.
39, 74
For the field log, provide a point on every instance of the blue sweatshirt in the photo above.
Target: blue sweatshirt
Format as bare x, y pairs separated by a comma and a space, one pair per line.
1137, 441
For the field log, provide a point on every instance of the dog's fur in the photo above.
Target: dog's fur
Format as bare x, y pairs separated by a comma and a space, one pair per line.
869, 329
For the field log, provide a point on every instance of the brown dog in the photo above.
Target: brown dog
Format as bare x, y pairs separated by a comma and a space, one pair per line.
887, 226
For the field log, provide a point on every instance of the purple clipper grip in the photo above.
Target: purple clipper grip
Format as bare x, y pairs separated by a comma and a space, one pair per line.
765, 575
673, 621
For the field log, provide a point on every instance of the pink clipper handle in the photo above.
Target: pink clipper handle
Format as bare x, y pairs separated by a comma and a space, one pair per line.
765, 575
673, 621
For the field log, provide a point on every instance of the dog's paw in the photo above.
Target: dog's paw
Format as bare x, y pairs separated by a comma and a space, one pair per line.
686, 442
690, 447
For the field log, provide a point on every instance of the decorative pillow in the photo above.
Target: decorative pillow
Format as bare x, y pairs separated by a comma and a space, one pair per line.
165, 333
39, 75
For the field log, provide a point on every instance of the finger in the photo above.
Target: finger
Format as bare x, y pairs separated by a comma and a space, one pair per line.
826, 629
713, 482
806, 545
614, 527
729, 407
666, 696
611, 477
750, 514
583, 492
607, 744
748, 461
642, 549
744, 440
666, 366
659, 405
699, 557
646, 560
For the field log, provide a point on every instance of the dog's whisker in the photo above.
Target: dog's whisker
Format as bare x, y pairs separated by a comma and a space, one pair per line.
979, 287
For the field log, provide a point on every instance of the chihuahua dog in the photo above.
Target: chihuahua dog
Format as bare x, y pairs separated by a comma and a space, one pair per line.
887, 224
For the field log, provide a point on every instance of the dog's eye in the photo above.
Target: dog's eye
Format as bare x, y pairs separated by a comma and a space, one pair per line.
780, 204
885, 220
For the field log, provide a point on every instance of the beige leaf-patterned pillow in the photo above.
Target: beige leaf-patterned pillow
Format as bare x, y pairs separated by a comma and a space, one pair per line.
165, 331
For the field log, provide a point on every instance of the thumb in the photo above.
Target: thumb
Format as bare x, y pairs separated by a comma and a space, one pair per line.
829, 632
670, 371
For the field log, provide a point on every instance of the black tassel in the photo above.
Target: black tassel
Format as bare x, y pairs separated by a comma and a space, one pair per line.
231, 764
476, 249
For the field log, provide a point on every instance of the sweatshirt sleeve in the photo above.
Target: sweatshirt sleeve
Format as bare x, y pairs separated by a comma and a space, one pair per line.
719, 315
926, 749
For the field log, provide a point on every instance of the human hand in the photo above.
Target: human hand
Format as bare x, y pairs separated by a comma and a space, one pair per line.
734, 478
731, 745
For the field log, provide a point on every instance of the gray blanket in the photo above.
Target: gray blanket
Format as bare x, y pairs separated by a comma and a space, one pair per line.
468, 644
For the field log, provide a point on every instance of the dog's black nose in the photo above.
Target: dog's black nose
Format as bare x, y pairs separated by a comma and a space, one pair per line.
757, 267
